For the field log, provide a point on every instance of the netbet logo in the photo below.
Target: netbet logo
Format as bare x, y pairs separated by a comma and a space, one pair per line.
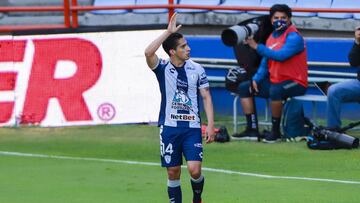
42, 84
182, 117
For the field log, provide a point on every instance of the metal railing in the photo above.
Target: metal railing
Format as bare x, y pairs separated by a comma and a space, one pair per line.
324, 75
71, 9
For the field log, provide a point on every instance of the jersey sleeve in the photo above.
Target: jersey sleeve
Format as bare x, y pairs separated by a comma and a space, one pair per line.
160, 67
203, 80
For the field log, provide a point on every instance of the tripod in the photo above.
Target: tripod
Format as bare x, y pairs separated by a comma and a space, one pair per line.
351, 125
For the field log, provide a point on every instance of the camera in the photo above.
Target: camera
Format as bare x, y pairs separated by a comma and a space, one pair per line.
340, 139
238, 33
260, 28
331, 139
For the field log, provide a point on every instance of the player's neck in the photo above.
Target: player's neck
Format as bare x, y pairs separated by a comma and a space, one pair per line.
177, 62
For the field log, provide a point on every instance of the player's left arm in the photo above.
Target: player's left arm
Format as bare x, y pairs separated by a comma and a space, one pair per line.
209, 110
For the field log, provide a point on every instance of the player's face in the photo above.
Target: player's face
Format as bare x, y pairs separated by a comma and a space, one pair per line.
280, 16
182, 50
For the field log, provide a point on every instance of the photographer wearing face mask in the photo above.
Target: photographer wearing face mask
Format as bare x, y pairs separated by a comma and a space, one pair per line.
347, 91
282, 72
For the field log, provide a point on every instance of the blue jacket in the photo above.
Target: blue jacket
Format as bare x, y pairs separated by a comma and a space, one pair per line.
293, 45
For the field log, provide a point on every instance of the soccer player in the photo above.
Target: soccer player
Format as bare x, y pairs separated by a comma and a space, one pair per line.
180, 80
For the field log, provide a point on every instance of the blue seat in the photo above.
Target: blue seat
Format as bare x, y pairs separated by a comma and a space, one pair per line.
112, 3
200, 2
238, 3
148, 2
356, 4
311, 4
269, 3
357, 16
341, 4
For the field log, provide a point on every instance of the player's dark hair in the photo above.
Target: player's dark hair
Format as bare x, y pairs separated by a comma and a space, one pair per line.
171, 42
280, 8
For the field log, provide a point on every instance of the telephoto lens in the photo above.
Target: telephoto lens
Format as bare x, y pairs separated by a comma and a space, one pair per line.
341, 139
238, 33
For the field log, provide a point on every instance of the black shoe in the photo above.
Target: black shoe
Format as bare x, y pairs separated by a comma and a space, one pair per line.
271, 137
248, 134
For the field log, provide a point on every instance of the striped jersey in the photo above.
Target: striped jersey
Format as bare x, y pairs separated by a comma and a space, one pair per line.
179, 87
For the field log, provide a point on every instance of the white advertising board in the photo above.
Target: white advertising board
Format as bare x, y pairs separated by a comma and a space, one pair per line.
77, 79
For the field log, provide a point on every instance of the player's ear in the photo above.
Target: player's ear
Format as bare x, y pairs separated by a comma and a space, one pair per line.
172, 51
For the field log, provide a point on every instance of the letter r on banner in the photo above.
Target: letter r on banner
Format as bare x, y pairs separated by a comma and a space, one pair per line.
69, 91
10, 51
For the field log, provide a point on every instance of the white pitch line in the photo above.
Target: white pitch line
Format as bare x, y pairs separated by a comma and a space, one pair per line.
4, 153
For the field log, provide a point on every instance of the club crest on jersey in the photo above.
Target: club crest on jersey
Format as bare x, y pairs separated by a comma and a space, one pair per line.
167, 159
194, 77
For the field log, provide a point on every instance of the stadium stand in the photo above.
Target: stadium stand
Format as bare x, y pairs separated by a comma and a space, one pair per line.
311, 4
112, 3
269, 3
40, 2
340, 4
237, 3
357, 15
4, 3
217, 19
147, 2
202, 2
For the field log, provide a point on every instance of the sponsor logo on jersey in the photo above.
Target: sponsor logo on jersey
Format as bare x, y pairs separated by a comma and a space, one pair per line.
199, 145
190, 68
181, 101
273, 45
172, 70
182, 117
203, 79
181, 83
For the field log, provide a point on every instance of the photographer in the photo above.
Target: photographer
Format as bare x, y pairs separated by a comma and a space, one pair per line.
348, 91
282, 73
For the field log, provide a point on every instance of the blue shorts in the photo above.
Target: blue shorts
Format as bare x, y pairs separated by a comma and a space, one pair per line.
174, 142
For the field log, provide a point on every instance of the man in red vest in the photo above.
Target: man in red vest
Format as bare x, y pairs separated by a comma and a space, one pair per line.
282, 73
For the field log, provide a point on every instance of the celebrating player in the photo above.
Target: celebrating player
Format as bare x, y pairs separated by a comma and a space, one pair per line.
180, 79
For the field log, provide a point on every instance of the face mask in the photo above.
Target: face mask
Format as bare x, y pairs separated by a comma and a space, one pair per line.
279, 25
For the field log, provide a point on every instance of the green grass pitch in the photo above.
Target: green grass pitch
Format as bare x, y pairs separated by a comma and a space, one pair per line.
51, 180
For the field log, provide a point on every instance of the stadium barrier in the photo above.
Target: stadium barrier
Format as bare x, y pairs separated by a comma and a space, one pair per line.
71, 11
77, 79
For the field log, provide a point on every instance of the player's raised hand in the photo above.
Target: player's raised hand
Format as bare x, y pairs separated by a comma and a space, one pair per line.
172, 24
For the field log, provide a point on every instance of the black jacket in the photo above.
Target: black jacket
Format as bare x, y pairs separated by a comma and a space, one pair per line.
354, 58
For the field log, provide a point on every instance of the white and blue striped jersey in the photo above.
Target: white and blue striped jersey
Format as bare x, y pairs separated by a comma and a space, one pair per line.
179, 87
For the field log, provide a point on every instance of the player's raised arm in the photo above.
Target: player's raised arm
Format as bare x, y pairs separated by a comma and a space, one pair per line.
151, 57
